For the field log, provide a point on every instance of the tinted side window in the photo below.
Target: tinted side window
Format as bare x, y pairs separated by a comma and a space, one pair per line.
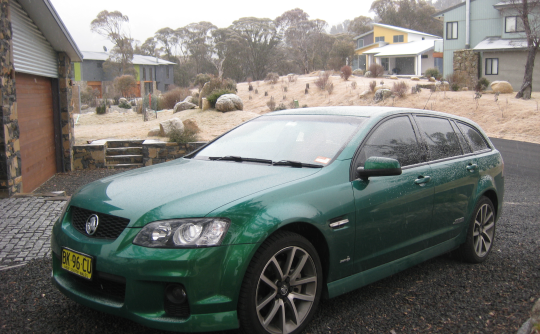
475, 138
440, 137
464, 143
394, 139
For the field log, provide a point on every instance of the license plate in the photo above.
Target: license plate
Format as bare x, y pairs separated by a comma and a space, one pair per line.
78, 263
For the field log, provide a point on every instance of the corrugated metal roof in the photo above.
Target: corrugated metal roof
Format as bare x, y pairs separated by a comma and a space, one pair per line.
403, 49
497, 43
137, 59
409, 31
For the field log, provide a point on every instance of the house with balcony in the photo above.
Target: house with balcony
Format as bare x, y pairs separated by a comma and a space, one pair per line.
399, 50
495, 32
151, 73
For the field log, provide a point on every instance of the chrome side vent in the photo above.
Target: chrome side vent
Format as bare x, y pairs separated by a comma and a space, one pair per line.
339, 223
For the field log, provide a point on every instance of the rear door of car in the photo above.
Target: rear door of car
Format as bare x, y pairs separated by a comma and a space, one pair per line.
393, 213
455, 176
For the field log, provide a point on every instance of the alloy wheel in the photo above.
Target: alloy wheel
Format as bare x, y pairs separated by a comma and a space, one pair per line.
484, 229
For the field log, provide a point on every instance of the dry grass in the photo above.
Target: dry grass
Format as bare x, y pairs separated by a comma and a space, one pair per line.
507, 118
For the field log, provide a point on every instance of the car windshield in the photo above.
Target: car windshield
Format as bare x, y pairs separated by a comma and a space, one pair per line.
305, 139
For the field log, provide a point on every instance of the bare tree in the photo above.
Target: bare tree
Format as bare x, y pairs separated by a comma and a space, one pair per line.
529, 13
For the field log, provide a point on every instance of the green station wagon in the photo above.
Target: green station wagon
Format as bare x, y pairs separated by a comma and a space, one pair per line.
251, 230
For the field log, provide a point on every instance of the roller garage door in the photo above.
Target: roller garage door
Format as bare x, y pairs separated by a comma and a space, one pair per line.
36, 129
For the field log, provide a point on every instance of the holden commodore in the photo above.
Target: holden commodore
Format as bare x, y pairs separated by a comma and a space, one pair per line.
251, 230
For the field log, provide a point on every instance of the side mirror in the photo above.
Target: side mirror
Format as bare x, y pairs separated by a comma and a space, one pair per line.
378, 166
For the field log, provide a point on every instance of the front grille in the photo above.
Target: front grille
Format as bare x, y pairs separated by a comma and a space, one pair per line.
109, 227
176, 310
113, 287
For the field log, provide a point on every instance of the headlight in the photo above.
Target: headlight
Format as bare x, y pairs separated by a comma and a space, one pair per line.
183, 233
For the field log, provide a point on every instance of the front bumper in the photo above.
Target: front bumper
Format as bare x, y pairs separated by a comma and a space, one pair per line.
129, 280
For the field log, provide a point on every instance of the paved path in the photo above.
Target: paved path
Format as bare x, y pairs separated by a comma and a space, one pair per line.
25, 228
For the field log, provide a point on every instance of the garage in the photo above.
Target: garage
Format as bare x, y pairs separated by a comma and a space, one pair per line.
36, 127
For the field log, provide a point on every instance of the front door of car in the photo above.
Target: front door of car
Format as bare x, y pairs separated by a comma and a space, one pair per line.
393, 213
455, 174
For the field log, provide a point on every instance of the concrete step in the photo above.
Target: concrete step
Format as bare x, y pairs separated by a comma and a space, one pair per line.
124, 143
124, 165
123, 150
124, 159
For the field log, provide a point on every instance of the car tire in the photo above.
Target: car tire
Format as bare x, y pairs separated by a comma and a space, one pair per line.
481, 233
282, 286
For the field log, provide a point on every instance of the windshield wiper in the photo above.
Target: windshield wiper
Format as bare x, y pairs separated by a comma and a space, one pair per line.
295, 164
241, 159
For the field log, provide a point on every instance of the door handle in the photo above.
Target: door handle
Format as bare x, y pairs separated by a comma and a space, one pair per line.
472, 167
422, 180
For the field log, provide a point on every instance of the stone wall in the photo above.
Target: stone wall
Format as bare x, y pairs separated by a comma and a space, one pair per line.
89, 156
10, 155
466, 64
66, 109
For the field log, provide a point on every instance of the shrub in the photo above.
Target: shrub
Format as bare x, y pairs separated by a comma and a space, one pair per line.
346, 72
214, 96
376, 70
353, 84
432, 73
481, 85
124, 105
330, 88
89, 95
217, 84
101, 109
304, 106
456, 81
400, 89
272, 78
125, 84
281, 106
201, 79
292, 78
323, 80
372, 86
271, 104
156, 102
188, 135
172, 97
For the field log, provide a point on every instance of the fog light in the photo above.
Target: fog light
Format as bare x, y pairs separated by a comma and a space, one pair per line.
175, 293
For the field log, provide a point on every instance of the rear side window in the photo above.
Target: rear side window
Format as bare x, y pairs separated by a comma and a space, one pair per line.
477, 141
394, 139
464, 143
440, 137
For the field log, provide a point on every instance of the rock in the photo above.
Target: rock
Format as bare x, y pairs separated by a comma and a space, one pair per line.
154, 132
180, 106
166, 127
381, 87
122, 100
415, 78
503, 87
84, 106
442, 86
189, 99
382, 94
367, 74
191, 125
432, 79
205, 104
229, 102
364, 94
393, 77
358, 72
465, 88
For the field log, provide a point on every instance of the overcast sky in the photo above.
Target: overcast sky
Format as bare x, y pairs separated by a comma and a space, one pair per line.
146, 17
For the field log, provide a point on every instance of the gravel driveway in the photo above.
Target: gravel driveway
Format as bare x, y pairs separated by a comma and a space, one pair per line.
442, 295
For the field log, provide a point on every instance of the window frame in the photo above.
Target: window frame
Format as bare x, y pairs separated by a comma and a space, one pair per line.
379, 39
451, 25
491, 66
358, 46
516, 25
400, 38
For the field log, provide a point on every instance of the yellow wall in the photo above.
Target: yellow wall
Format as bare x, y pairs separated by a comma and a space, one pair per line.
137, 72
367, 48
78, 72
388, 34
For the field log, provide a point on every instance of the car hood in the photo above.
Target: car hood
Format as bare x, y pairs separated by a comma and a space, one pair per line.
180, 188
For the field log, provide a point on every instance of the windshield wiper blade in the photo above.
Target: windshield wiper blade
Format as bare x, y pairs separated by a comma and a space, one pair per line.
241, 159
296, 164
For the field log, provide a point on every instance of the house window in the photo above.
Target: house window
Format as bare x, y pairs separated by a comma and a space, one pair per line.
398, 38
144, 74
359, 43
492, 66
451, 30
379, 39
513, 24
385, 62
424, 56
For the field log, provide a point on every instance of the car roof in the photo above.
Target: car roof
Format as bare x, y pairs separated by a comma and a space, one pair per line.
361, 111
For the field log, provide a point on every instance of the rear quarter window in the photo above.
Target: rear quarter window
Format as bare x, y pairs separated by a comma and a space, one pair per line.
475, 138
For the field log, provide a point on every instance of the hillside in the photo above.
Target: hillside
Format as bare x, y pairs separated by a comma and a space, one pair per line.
507, 117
